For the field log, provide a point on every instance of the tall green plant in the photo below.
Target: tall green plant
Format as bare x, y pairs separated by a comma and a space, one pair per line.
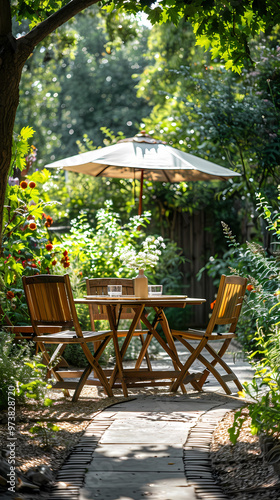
21, 372
262, 270
27, 240
264, 390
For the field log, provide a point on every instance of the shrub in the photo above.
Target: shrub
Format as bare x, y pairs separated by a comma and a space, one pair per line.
264, 390
25, 242
21, 370
262, 271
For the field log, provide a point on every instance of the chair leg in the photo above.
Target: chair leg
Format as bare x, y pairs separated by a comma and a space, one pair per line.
56, 353
215, 360
210, 368
93, 365
96, 345
203, 378
218, 359
93, 360
89, 368
48, 360
82, 381
189, 362
63, 363
221, 352
214, 372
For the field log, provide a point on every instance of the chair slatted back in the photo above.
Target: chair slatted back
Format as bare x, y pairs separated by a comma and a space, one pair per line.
228, 304
98, 286
50, 302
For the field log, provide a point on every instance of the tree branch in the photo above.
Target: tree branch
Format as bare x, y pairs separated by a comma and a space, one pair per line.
53, 22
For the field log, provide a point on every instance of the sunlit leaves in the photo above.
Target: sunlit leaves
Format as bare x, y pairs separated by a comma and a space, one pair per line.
248, 17
203, 41
234, 22
21, 147
35, 10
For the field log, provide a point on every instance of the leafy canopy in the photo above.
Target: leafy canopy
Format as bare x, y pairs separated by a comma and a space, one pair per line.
35, 11
224, 26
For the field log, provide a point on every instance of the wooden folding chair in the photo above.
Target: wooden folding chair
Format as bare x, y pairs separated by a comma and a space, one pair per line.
226, 311
98, 286
50, 302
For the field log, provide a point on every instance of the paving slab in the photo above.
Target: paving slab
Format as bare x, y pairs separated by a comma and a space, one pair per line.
136, 486
121, 458
130, 431
140, 455
129, 451
146, 464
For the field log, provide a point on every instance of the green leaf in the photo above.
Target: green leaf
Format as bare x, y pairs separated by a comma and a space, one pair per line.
26, 133
229, 64
254, 429
249, 16
203, 41
48, 401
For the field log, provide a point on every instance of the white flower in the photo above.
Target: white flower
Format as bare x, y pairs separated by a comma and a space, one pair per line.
147, 256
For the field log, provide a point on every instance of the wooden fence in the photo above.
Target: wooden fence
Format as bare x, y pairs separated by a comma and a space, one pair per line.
197, 244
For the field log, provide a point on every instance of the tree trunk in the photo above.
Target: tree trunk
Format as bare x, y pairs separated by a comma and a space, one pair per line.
10, 74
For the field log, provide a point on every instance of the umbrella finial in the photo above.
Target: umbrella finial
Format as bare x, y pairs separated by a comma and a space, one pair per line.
143, 136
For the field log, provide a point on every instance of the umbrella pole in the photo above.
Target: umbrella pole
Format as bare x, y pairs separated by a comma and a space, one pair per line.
141, 193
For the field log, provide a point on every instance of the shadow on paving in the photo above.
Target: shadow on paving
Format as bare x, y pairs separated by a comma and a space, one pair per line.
140, 455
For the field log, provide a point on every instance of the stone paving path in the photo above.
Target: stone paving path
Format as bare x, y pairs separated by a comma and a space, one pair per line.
153, 447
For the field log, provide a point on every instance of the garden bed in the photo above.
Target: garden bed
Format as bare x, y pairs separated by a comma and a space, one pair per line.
240, 469
71, 418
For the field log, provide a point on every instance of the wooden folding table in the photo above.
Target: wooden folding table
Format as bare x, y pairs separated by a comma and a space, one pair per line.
139, 377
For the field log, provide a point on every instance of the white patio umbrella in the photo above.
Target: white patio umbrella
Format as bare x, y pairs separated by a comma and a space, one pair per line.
142, 157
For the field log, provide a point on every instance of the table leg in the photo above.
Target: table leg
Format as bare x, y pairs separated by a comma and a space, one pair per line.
111, 313
169, 339
145, 346
163, 344
168, 347
120, 353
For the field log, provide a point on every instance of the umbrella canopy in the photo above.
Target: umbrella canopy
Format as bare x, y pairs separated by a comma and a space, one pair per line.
141, 157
